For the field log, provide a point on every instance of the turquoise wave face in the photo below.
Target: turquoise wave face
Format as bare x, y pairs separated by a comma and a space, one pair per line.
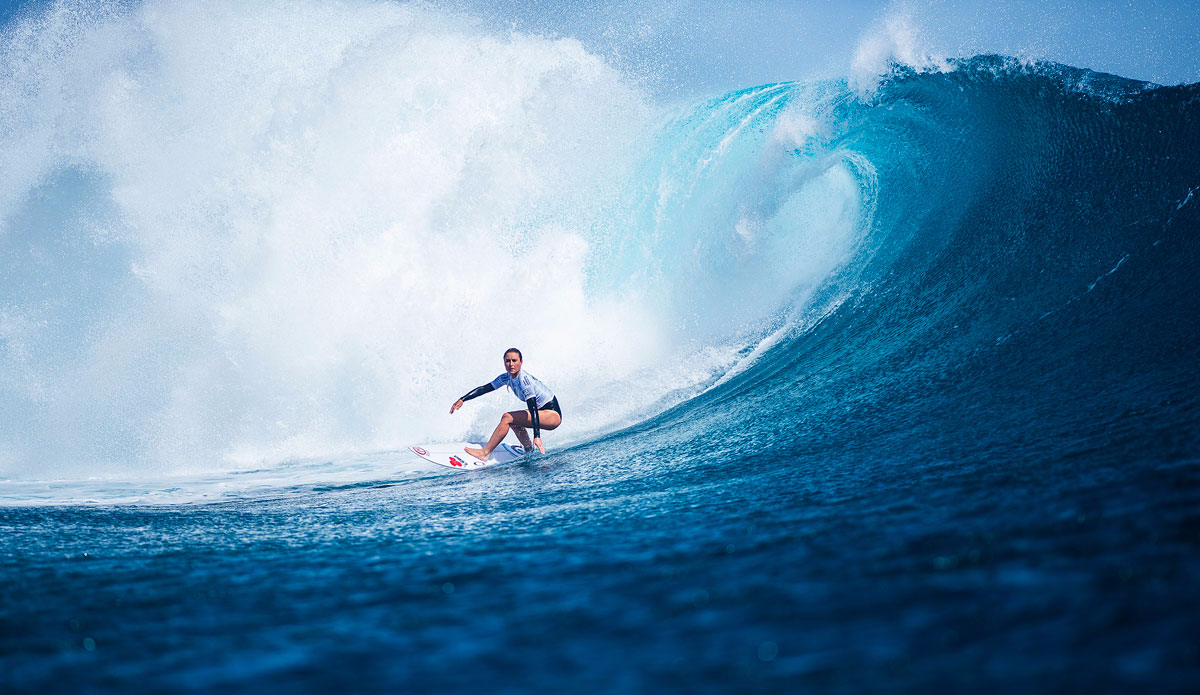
741, 208
1025, 277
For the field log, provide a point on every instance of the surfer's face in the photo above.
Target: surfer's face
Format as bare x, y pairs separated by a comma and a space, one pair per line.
512, 363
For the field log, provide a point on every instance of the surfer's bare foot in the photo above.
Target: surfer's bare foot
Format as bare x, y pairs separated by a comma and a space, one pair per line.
477, 453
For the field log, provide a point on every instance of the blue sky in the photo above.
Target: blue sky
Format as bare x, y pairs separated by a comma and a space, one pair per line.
700, 45
735, 44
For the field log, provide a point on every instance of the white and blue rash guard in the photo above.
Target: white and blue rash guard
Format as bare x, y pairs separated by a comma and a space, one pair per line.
526, 387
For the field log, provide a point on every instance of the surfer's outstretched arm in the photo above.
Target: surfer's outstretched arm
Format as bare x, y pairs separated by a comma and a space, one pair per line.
473, 393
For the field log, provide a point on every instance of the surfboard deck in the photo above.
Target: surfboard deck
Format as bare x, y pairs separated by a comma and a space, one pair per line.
453, 455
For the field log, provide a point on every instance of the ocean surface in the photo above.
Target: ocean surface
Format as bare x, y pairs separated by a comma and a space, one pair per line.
869, 385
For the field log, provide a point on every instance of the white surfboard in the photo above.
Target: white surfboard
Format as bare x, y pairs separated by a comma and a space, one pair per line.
454, 455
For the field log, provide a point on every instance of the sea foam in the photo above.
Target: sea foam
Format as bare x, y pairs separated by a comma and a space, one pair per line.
250, 233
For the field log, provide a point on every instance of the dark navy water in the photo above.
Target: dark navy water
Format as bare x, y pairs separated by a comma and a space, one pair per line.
972, 464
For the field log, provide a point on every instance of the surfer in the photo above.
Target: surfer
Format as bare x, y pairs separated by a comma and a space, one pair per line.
543, 413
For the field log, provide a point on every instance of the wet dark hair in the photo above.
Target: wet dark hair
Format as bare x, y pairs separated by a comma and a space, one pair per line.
519, 355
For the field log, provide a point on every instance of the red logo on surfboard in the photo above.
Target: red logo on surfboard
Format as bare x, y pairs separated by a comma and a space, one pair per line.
456, 461
419, 451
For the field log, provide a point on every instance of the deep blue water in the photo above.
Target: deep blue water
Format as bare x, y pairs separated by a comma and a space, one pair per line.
970, 464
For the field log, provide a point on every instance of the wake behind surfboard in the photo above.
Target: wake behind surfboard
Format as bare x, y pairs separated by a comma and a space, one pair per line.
454, 455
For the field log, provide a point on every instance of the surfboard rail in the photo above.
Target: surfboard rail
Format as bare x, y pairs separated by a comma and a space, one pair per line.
454, 455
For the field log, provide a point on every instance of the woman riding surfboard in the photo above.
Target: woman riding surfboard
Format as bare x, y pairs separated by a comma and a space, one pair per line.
543, 411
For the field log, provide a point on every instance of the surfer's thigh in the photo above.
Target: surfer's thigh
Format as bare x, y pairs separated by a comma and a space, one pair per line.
549, 419
520, 418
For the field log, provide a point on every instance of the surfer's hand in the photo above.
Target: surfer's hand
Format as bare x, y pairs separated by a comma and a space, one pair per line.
457, 404
537, 441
